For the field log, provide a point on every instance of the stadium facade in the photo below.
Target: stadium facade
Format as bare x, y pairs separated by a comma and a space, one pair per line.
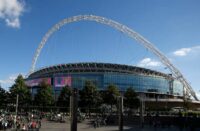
155, 86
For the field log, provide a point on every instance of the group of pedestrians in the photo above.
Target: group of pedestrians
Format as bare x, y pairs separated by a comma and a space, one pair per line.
179, 121
31, 125
6, 121
21, 122
99, 121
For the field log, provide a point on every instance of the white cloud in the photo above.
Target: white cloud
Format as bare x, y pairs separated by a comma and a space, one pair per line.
9, 81
182, 51
10, 11
198, 94
186, 51
13, 23
148, 62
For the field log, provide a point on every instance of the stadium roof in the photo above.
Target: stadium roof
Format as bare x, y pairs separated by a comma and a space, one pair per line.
94, 67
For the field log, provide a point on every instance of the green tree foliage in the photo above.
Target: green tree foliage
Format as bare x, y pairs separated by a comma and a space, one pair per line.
44, 96
64, 97
89, 95
110, 95
22, 90
3, 97
131, 100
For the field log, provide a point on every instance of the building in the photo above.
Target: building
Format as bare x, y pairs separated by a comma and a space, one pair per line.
155, 86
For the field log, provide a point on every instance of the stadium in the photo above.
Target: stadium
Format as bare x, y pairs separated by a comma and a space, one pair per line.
157, 87
153, 87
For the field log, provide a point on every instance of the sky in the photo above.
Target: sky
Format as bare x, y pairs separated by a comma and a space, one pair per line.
171, 25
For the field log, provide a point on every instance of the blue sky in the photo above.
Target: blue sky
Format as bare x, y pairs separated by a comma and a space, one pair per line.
172, 25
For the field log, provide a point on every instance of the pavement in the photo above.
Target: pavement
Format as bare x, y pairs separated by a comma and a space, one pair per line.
86, 126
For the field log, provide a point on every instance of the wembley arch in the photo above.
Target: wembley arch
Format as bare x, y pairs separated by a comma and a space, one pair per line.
188, 91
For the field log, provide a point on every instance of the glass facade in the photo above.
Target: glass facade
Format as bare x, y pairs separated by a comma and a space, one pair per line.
141, 83
177, 88
104, 74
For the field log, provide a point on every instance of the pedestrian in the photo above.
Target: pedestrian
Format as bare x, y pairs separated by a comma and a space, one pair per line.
23, 127
33, 125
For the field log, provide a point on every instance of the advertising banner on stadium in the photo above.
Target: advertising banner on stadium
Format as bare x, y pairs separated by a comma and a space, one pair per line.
63, 81
36, 82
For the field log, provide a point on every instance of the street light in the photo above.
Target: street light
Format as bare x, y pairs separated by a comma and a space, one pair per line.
73, 109
142, 108
121, 105
16, 110
120, 110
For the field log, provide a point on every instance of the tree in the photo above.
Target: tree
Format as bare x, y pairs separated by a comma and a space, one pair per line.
89, 96
64, 97
44, 96
20, 88
110, 95
131, 100
3, 97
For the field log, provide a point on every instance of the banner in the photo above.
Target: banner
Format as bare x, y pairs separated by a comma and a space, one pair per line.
36, 82
63, 81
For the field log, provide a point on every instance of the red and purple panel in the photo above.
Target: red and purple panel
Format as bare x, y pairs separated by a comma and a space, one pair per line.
36, 82
63, 81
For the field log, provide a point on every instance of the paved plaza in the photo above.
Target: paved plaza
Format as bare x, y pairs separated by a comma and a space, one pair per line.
85, 126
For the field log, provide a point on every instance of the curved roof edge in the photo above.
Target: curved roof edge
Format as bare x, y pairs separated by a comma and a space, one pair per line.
95, 67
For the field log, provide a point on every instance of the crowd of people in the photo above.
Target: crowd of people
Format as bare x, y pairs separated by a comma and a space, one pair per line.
6, 121
99, 121
23, 122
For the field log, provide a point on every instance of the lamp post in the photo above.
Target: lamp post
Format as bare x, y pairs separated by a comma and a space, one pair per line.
120, 101
121, 105
16, 110
73, 109
142, 108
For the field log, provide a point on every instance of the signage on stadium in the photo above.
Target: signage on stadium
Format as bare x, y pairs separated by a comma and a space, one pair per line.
63, 81
36, 82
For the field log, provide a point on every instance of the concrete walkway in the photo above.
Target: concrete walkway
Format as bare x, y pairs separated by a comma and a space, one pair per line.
85, 126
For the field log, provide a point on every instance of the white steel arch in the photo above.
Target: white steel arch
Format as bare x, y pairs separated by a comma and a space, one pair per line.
126, 30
